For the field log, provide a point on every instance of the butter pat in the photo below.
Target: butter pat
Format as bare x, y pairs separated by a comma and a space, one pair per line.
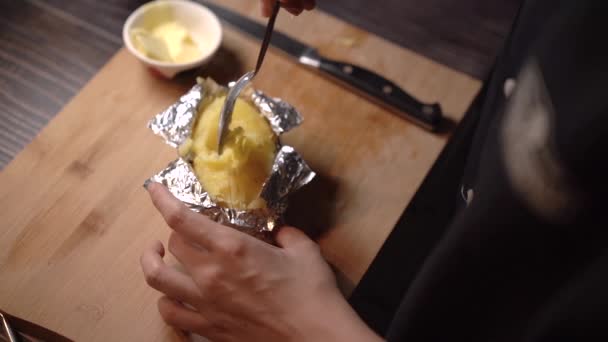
162, 38
235, 178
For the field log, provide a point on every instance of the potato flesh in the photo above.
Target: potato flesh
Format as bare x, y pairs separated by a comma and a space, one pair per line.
235, 178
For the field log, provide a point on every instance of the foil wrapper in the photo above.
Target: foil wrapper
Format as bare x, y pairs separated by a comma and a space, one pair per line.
289, 171
175, 123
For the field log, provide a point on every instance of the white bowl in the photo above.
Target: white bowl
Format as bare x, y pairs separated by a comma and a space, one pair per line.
203, 25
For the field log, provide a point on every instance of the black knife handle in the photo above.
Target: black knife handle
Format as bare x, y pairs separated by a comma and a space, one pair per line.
428, 115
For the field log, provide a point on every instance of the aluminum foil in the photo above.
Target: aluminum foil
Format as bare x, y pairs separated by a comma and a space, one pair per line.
175, 123
289, 171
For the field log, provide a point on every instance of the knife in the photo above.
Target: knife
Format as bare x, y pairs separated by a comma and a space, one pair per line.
16, 329
376, 87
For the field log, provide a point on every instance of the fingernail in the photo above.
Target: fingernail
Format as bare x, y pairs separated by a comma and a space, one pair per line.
147, 184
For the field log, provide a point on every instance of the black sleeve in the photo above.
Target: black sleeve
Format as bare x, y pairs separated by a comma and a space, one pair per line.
527, 259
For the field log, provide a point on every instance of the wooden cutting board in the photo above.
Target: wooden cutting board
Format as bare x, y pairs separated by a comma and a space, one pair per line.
75, 217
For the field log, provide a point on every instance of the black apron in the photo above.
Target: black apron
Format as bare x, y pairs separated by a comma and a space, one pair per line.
506, 239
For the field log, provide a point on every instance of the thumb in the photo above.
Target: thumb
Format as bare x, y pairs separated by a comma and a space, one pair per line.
266, 8
290, 237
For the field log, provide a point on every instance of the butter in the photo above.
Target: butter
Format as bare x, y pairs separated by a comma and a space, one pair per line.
162, 38
235, 178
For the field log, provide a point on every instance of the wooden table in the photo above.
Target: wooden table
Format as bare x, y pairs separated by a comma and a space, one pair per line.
75, 217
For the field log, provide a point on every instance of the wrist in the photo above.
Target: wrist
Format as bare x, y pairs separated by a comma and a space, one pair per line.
335, 320
350, 327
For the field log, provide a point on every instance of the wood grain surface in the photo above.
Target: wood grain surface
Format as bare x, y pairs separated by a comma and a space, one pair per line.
51, 48
75, 217
462, 34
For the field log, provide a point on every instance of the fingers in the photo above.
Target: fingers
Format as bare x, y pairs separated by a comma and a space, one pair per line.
180, 316
196, 227
167, 279
294, 10
158, 248
187, 254
294, 7
290, 237
266, 7
309, 4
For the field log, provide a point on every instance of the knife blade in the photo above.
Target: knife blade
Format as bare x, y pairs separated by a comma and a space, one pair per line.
28, 331
369, 83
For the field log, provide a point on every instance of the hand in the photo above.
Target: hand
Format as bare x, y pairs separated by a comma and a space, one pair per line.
294, 7
237, 288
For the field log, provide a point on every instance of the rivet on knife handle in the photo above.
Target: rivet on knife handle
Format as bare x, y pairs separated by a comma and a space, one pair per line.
428, 115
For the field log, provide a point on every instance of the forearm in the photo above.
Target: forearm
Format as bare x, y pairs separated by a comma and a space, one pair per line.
337, 322
353, 329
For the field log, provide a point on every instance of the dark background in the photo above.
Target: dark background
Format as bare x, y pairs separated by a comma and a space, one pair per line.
50, 48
